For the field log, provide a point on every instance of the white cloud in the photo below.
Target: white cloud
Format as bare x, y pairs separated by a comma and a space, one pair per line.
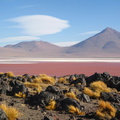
38, 25
90, 32
19, 38
65, 44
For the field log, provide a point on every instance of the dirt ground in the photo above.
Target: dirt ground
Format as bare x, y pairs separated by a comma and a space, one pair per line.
33, 113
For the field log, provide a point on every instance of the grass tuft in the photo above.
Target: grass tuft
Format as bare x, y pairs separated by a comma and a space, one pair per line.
96, 88
75, 110
99, 86
105, 110
11, 113
52, 105
62, 80
9, 74
48, 80
33, 87
20, 95
71, 95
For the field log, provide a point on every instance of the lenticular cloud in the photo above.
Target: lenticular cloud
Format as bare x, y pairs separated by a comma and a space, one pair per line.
38, 25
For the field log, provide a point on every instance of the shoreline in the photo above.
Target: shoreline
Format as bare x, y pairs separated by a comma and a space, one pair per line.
37, 60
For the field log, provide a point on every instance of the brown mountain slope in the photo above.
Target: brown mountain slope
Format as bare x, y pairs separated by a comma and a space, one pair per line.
10, 52
37, 49
33, 46
103, 44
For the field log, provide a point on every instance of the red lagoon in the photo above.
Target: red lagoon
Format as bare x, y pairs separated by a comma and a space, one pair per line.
62, 68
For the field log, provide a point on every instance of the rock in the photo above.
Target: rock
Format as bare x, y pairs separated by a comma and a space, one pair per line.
111, 96
72, 118
94, 77
79, 80
4, 86
2, 75
114, 118
90, 115
54, 90
83, 97
117, 106
42, 99
71, 78
79, 87
4, 89
69, 101
48, 118
3, 115
29, 80
114, 82
26, 75
18, 87
106, 76
14, 83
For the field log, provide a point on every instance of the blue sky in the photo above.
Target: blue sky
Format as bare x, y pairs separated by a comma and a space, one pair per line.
63, 22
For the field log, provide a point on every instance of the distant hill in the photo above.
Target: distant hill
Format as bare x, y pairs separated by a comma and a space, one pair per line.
37, 49
104, 44
33, 46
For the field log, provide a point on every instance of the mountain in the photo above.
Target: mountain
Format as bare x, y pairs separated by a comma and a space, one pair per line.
104, 44
37, 48
33, 46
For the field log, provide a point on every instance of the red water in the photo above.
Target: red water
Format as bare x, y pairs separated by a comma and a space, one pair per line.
62, 68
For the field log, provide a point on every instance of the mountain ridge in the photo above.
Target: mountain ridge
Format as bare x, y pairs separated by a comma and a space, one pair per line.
103, 44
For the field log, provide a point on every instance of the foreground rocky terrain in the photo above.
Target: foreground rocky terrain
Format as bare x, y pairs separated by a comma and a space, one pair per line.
69, 97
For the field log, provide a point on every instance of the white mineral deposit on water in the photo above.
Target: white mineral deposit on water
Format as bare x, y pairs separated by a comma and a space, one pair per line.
32, 60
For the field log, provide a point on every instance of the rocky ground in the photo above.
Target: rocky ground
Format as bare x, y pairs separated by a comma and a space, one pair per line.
69, 97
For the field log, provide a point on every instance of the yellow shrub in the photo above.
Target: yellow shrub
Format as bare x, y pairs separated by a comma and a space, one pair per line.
99, 86
33, 87
52, 105
71, 95
96, 88
10, 74
91, 93
10, 112
105, 110
46, 79
1, 73
37, 80
62, 80
21, 95
43, 75
75, 110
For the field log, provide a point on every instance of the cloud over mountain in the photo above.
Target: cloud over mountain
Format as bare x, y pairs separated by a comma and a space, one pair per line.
37, 25
19, 38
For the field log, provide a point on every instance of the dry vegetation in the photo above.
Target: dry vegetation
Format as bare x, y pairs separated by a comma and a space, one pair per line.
51, 105
11, 113
75, 110
72, 95
105, 110
96, 88
20, 95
